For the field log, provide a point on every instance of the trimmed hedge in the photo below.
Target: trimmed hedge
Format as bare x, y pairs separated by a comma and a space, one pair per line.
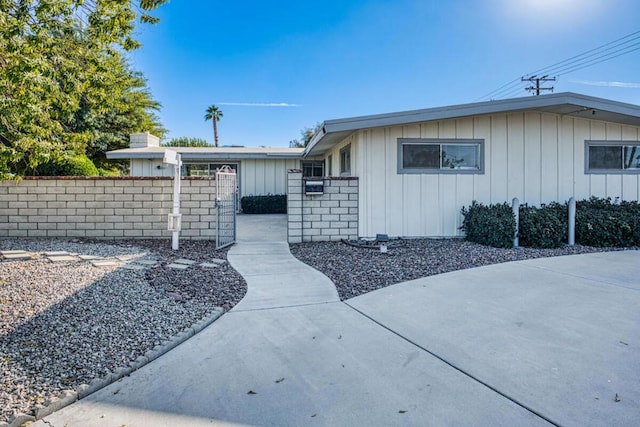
599, 222
543, 227
270, 204
492, 225
69, 165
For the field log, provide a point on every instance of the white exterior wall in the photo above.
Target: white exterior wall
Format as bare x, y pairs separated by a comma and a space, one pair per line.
335, 152
536, 157
149, 167
257, 176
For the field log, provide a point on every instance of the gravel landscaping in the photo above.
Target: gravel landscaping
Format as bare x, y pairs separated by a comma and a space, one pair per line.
63, 324
358, 270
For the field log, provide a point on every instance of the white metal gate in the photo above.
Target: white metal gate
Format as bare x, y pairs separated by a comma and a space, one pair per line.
226, 206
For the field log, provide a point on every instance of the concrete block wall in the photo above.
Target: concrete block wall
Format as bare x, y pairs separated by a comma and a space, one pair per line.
105, 208
330, 216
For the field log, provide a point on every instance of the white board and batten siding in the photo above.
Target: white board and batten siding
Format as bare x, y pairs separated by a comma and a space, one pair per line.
536, 157
260, 177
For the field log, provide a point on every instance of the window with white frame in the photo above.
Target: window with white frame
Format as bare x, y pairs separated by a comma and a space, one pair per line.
428, 155
345, 160
612, 157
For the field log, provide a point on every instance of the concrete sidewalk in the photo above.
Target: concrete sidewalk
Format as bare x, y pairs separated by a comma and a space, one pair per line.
529, 343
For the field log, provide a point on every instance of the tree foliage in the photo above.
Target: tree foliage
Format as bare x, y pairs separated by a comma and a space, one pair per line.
184, 141
214, 114
65, 85
306, 135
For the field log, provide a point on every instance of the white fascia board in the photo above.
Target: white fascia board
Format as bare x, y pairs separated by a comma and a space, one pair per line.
124, 154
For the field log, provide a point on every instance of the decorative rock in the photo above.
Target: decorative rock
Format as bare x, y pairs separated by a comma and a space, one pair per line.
184, 261
99, 318
218, 261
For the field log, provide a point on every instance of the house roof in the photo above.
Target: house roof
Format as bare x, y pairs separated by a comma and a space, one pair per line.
567, 103
208, 153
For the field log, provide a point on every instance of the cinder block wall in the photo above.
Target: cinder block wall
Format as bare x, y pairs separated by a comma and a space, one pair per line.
105, 208
330, 216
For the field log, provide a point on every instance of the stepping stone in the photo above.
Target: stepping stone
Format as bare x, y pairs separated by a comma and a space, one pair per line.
134, 267
104, 263
209, 265
89, 257
148, 262
62, 258
18, 256
56, 253
178, 266
218, 261
3, 253
184, 261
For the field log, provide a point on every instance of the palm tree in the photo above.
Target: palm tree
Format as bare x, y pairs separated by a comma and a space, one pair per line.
214, 114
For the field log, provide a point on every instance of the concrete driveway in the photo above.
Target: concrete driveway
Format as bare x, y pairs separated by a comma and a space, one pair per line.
542, 342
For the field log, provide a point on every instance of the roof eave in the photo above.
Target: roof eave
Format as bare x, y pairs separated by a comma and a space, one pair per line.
334, 131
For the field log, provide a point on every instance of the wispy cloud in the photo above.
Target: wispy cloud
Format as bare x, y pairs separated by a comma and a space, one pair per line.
608, 84
259, 104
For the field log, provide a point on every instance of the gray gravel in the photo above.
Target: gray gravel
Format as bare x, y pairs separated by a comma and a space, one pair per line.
64, 324
356, 271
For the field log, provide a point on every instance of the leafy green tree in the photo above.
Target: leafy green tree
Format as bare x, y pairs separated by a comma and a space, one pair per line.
61, 66
184, 141
214, 114
307, 135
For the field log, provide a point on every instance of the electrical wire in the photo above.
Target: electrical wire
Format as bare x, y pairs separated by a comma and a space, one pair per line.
621, 46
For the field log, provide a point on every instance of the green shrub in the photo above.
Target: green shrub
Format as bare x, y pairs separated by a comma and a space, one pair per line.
492, 225
543, 227
604, 224
270, 204
69, 165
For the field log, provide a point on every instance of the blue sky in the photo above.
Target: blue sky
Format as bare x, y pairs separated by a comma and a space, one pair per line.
333, 59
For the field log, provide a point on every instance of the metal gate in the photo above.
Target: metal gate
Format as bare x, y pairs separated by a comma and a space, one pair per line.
226, 206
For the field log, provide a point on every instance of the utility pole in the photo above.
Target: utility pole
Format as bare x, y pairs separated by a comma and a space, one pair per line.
537, 81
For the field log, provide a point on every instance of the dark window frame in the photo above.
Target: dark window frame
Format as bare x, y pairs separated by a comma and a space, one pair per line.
440, 142
216, 165
345, 160
314, 164
589, 170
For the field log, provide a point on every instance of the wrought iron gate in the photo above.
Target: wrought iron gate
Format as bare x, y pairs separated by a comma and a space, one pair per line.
226, 206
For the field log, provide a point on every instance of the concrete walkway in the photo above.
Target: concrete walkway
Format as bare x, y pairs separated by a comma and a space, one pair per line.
529, 343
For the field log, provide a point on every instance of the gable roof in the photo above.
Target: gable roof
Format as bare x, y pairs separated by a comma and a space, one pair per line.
566, 103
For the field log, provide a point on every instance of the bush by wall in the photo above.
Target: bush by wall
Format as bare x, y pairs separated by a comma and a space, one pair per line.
270, 204
543, 227
71, 165
599, 222
492, 225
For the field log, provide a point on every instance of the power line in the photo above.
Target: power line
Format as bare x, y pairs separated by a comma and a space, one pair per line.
621, 46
